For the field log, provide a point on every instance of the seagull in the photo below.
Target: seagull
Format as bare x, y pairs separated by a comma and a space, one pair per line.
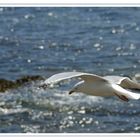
95, 85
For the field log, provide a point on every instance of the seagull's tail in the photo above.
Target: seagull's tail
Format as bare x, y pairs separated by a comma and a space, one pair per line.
124, 92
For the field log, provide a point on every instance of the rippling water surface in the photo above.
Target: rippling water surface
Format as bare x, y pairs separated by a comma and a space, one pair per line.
38, 42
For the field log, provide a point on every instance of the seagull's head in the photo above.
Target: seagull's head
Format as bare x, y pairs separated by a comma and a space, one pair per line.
77, 88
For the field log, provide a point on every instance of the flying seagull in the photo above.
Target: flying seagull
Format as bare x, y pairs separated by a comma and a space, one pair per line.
91, 84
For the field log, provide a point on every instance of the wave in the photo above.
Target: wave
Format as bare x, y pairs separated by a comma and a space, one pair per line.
8, 84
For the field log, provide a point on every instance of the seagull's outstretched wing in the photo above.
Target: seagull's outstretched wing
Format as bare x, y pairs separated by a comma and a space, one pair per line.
124, 82
128, 83
67, 75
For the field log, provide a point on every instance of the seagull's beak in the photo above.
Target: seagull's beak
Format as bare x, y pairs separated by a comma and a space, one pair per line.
71, 92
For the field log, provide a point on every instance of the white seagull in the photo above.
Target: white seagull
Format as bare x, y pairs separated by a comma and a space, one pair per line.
91, 84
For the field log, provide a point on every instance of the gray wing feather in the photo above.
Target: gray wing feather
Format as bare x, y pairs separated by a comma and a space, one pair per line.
128, 83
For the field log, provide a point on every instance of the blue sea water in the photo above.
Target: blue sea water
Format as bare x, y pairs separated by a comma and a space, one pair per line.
47, 40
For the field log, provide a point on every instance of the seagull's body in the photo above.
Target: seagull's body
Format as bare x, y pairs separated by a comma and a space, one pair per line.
95, 85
